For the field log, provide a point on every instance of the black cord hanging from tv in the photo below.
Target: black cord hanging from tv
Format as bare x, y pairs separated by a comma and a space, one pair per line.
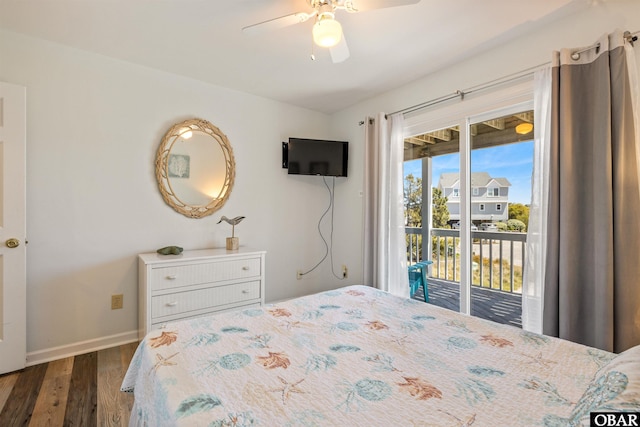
328, 246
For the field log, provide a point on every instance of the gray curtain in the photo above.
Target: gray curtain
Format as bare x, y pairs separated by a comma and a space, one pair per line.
592, 277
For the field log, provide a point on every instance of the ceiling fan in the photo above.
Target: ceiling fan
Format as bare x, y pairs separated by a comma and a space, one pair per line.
327, 31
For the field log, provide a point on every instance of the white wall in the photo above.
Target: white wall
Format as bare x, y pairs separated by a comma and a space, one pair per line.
521, 53
93, 127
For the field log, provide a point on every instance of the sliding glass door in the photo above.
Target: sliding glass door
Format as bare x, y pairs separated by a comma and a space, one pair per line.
432, 165
500, 194
467, 190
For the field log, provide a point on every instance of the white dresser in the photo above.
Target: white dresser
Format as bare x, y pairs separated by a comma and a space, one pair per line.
197, 283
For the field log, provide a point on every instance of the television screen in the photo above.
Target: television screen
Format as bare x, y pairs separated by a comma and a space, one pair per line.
315, 157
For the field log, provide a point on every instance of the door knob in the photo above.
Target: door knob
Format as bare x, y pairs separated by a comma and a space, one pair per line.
12, 243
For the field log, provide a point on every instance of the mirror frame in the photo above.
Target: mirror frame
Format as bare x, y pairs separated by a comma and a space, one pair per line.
162, 167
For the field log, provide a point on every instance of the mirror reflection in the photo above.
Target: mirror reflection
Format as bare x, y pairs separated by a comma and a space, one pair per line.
195, 168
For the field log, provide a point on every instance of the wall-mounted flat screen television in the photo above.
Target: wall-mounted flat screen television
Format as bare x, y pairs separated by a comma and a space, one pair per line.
315, 157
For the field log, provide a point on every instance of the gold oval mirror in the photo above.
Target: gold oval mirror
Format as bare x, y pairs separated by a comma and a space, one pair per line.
195, 168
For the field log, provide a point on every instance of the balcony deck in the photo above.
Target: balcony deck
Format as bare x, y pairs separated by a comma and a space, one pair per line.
501, 307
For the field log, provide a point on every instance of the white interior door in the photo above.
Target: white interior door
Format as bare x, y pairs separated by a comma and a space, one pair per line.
13, 298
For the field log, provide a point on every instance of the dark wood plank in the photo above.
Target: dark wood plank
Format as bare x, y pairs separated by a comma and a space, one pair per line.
112, 408
6, 385
500, 307
52, 399
127, 351
82, 402
126, 399
19, 407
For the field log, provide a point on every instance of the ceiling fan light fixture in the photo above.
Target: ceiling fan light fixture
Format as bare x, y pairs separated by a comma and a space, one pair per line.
327, 32
524, 128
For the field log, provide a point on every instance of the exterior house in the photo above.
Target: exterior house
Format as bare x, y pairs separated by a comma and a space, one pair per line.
489, 197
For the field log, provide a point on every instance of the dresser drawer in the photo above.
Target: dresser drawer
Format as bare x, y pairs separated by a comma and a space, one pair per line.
184, 302
195, 274
164, 323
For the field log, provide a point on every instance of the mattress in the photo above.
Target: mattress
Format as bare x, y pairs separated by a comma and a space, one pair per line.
357, 356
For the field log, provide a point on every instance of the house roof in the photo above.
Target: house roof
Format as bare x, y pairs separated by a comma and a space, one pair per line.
204, 40
478, 179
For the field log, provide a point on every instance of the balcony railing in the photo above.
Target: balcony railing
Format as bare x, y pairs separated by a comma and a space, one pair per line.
497, 257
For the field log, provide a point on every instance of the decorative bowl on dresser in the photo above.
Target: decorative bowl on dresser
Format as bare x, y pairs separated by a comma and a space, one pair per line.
197, 283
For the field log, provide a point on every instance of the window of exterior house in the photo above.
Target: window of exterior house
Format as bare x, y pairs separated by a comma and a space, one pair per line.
481, 207
476, 191
456, 192
493, 192
499, 207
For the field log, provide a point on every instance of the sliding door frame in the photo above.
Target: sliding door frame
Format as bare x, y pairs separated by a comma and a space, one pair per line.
474, 108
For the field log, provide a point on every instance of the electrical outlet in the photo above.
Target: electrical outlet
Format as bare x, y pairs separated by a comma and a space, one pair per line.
345, 272
299, 274
116, 301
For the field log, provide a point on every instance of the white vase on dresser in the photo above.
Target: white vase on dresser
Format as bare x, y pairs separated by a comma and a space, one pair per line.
197, 283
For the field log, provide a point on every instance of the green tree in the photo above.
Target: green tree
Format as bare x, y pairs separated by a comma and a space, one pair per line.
516, 225
439, 209
440, 219
413, 204
413, 212
413, 200
520, 212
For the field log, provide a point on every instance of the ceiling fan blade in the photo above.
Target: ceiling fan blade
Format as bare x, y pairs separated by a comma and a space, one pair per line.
340, 52
277, 23
364, 5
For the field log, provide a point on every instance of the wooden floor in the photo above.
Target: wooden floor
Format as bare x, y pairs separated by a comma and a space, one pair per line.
501, 307
81, 391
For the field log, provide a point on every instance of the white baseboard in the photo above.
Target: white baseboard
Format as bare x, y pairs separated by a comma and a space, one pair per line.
82, 347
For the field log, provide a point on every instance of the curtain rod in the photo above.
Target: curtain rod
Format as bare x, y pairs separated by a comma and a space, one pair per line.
461, 93
630, 37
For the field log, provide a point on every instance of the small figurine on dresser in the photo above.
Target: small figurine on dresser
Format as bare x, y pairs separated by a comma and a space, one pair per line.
170, 250
233, 242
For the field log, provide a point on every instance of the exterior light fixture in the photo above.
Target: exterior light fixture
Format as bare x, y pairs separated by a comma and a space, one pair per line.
524, 128
327, 32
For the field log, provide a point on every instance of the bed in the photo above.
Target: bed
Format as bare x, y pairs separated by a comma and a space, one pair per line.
358, 356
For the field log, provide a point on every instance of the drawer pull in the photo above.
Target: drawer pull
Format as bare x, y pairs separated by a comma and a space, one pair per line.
171, 277
172, 304
246, 268
245, 291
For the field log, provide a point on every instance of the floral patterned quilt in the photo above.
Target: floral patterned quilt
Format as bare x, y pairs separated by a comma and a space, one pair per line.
355, 356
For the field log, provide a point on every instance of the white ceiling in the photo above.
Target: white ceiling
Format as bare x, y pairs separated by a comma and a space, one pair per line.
202, 39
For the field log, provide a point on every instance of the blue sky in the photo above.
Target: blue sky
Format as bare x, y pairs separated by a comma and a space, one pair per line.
511, 161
